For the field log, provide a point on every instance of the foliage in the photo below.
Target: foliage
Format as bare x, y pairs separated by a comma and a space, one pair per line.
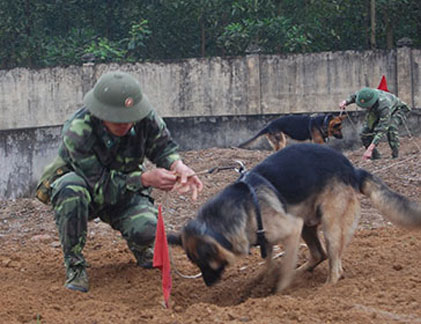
42, 33
136, 42
105, 50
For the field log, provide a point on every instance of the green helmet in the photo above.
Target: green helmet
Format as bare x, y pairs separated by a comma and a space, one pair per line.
118, 98
367, 97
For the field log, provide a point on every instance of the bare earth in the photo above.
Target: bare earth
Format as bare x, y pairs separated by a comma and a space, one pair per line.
382, 265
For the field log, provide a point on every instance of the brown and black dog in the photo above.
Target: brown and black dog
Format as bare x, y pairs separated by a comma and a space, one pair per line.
301, 128
291, 194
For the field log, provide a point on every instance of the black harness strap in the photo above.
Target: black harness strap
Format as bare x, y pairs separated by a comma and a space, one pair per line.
261, 239
323, 128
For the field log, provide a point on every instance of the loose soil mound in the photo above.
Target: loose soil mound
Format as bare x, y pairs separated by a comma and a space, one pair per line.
382, 265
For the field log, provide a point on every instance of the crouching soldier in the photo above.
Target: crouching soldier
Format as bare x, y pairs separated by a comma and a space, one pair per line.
385, 113
99, 172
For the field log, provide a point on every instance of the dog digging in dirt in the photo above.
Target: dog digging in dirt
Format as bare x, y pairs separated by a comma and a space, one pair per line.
301, 128
289, 195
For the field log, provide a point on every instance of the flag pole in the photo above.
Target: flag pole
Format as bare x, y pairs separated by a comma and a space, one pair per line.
161, 258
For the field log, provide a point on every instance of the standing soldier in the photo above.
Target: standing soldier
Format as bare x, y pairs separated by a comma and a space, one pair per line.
99, 172
386, 113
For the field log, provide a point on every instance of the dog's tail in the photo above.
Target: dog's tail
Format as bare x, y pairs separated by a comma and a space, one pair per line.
255, 137
397, 208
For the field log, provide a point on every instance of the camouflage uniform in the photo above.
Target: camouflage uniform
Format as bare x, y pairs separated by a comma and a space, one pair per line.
105, 181
97, 172
383, 118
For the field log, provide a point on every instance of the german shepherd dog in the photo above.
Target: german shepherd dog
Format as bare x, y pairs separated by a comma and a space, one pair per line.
299, 127
290, 194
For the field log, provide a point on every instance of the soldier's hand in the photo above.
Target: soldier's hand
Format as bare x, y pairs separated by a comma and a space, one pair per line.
186, 179
369, 152
159, 178
342, 105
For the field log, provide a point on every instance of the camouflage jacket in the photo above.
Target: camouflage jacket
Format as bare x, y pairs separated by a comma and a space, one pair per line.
379, 116
112, 165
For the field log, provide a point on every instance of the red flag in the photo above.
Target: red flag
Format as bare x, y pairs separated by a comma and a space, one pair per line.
383, 84
161, 257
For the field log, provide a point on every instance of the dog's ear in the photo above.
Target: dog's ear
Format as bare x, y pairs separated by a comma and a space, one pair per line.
226, 255
174, 239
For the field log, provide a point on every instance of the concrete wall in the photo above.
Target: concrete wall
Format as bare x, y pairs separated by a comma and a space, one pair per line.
23, 155
318, 82
25, 152
205, 102
250, 85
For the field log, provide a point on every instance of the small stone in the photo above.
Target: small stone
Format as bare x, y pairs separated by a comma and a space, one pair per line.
6, 262
41, 238
55, 244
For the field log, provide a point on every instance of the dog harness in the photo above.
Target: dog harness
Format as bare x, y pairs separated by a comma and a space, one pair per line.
323, 128
261, 239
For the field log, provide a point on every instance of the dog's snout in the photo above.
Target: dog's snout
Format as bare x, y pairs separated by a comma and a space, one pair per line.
211, 276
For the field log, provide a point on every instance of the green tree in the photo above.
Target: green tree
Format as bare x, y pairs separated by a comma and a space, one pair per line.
40, 33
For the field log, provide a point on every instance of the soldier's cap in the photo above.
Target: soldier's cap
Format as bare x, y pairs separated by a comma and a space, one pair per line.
367, 97
117, 97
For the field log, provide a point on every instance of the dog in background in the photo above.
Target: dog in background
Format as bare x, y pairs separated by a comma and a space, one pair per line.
289, 195
299, 127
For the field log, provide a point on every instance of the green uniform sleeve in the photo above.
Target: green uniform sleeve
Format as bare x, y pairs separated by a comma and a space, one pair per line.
351, 99
403, 106
112, 166
105, 184
160, 148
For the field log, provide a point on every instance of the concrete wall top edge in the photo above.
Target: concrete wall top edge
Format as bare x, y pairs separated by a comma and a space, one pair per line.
218, 86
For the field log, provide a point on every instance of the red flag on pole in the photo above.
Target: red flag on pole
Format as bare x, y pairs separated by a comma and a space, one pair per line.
161, 257
383, 84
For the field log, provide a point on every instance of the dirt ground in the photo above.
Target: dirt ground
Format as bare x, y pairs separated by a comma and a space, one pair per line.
382, 264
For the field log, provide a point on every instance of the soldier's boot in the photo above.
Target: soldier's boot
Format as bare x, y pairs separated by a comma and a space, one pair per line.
376, 155
77, 278
144, 256
395, 152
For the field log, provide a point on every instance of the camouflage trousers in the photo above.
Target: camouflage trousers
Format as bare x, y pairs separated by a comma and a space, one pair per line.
397, 119
135, 217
